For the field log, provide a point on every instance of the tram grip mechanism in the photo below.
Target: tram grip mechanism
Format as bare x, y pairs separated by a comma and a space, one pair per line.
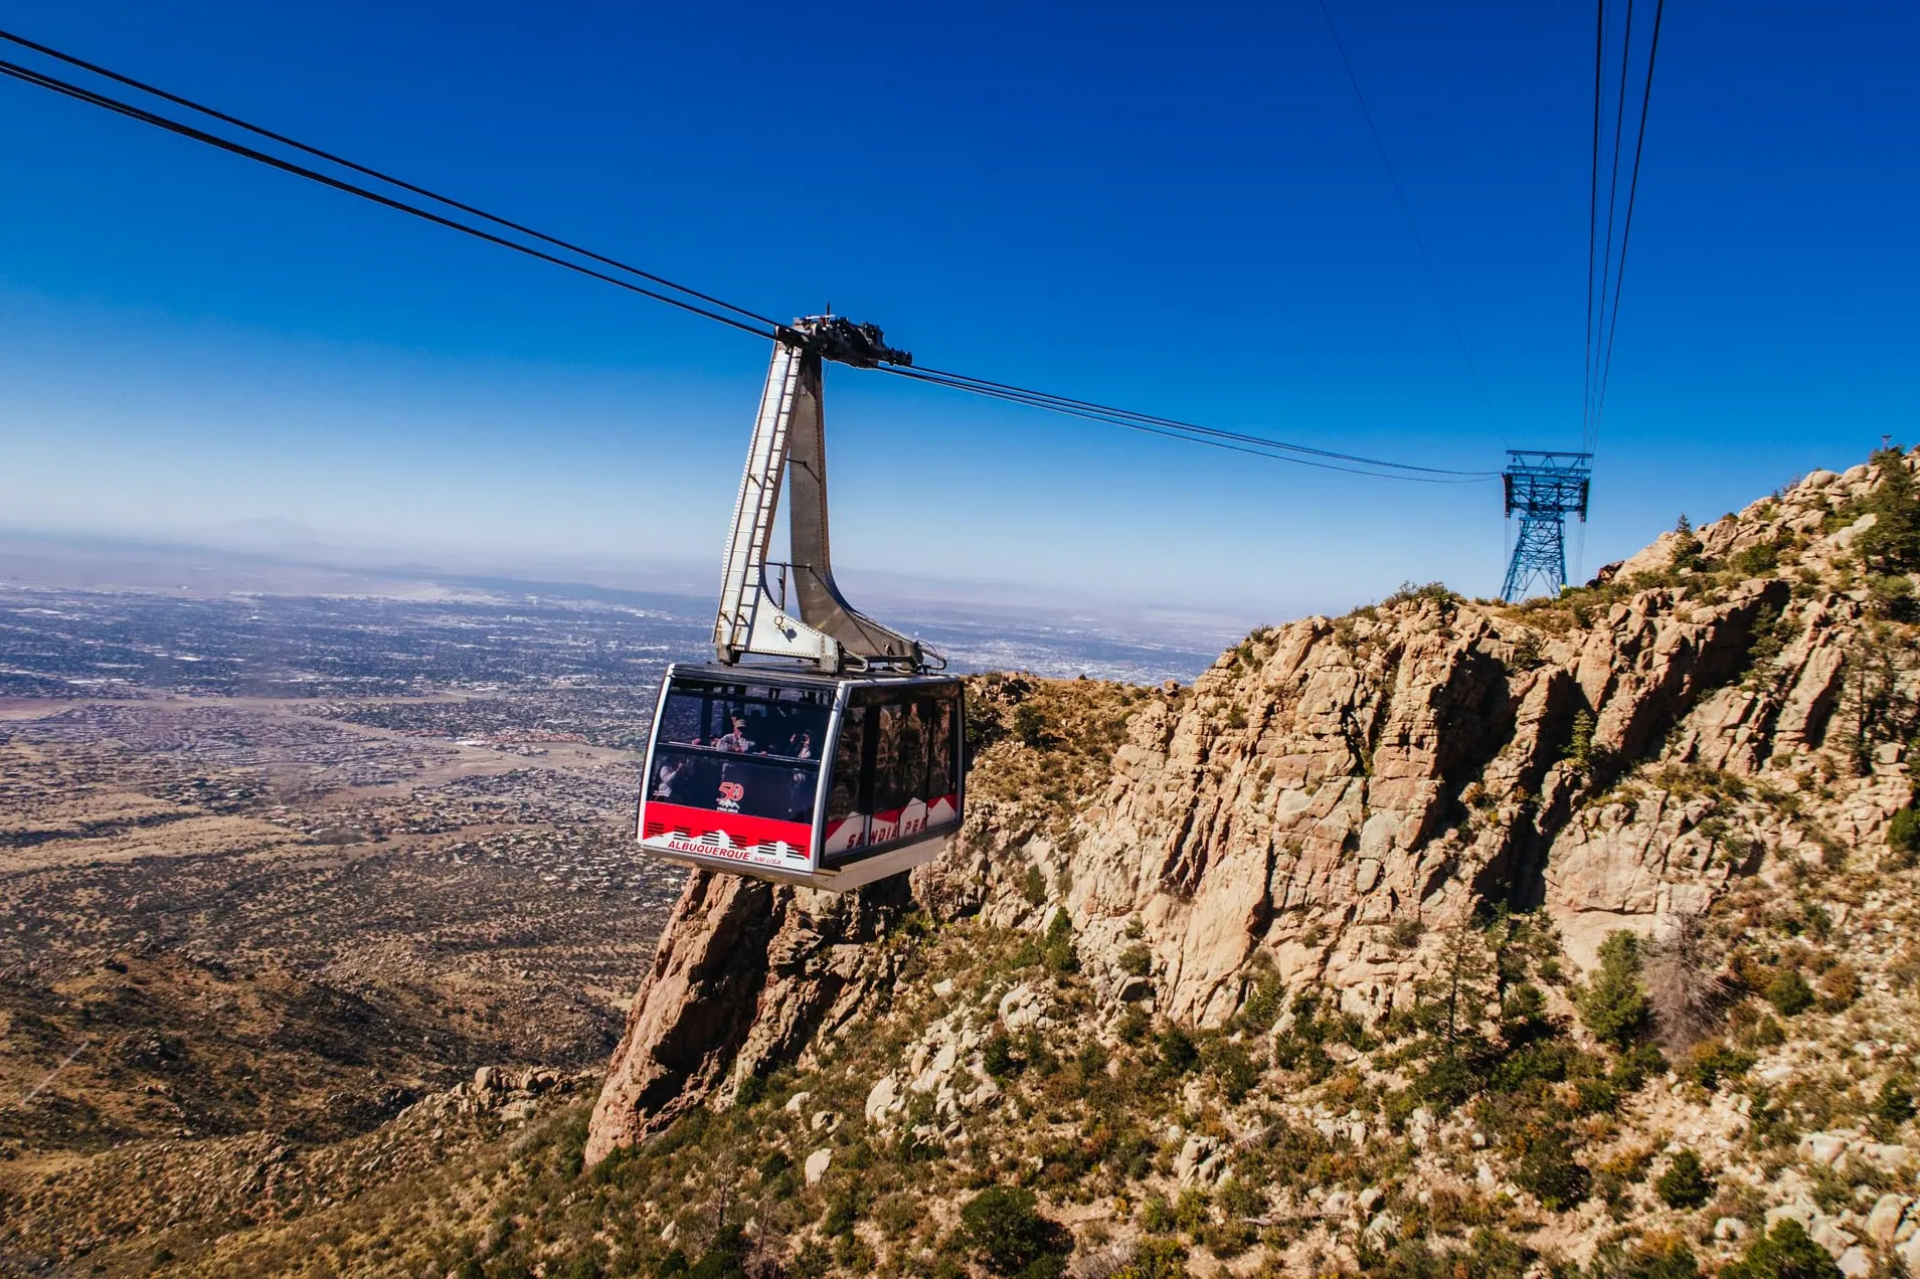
839, 339
810, 620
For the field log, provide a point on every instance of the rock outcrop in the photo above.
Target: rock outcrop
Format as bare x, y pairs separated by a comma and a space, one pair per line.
746, 975
1332, 788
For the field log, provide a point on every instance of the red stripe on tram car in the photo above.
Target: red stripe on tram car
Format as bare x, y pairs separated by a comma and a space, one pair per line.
674, 823
943, 809
844, 833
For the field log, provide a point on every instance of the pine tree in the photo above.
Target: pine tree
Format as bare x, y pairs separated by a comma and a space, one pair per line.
1685, 1183
1873, 706
1785, 1252
1687, 548
1580, 744
1892, 545
1614, 1004
1457, 996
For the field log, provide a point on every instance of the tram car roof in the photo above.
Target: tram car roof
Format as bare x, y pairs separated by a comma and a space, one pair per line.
800, 676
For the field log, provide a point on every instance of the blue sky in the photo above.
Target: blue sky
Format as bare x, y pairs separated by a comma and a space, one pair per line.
1177, 211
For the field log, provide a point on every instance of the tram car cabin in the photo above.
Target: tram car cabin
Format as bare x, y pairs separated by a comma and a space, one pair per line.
820, 780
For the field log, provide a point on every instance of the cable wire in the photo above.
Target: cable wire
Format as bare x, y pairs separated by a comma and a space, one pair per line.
45, 81
1047, 399
1626, 234
1593, 212
1406, 211
1592, 435
1255, 446
1261, 446
1224, 440
364, 170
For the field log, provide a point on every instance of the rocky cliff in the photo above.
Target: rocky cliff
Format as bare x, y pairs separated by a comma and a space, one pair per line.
1334, 793
1567, 940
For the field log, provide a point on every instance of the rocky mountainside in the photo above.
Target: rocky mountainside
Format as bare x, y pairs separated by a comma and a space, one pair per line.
1446, 938
1344, 812
1334, 787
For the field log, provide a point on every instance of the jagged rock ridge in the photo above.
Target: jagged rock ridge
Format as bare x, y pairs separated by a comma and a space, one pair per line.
1332, 785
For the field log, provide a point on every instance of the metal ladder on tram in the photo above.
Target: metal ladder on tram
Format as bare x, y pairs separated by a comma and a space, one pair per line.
758, 503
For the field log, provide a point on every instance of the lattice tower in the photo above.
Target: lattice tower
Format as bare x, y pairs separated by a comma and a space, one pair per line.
1543, 488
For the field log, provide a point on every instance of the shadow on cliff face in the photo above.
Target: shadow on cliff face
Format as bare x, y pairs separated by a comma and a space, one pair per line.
1515, 874
1683, 666
1691, 666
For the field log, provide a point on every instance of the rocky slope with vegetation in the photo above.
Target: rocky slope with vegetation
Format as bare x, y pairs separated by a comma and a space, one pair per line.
1444, 938
1509, 909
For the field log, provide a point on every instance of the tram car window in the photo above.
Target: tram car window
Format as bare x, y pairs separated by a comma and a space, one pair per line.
846, 826
802, 777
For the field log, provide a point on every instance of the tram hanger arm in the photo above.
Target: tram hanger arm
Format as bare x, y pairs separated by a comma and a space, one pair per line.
836, 338
819, 626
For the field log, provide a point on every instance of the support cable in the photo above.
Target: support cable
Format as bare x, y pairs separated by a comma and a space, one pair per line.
1593, 213
1045, 399
760, 326
365, 171
1257, 446
74, 91
1633, 189
1591, 436
1406, 211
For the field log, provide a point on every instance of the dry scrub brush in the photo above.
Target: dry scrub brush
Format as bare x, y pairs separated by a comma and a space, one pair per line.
1688, 995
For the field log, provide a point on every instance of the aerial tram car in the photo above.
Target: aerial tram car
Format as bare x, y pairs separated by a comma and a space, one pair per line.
820, 747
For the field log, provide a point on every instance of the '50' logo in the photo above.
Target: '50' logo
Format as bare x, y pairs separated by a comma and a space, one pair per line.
731, 793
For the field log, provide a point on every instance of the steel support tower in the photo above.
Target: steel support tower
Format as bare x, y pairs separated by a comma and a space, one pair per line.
1544, 488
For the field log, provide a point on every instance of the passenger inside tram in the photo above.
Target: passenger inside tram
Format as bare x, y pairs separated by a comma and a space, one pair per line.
705, 734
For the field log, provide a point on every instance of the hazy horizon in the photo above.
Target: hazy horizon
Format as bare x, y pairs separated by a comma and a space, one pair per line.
211, 567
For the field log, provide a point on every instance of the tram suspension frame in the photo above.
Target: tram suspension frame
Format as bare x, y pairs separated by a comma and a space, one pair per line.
813, 623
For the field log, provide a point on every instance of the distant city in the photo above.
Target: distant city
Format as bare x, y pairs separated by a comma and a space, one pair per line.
354, 796
97, 618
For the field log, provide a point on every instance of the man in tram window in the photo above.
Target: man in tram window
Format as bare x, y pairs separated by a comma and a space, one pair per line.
663, 777
736, 741
800, 746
